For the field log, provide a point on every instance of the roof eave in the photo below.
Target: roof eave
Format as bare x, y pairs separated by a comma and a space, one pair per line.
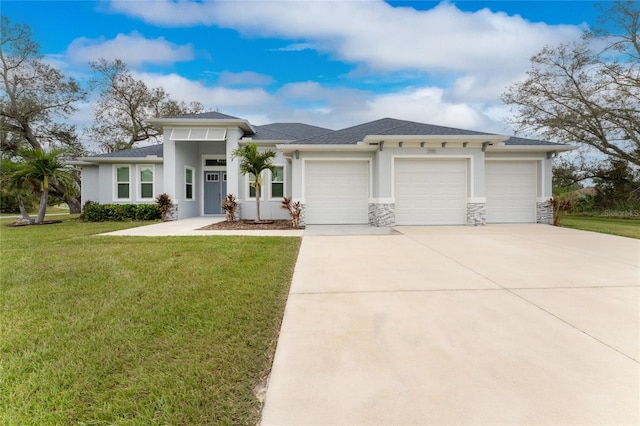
436, 138
325, 147
263, 141
201, 122
79, 162
530, 148
88, 161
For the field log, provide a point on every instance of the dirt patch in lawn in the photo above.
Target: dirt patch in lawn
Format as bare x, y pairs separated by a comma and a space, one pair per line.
250, 224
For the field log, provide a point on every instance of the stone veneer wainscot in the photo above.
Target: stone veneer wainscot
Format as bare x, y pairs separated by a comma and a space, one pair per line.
476, 214
382, 214
544, 212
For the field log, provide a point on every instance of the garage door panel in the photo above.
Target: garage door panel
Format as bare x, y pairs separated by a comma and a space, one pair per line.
511, 191
430, 191
336, 192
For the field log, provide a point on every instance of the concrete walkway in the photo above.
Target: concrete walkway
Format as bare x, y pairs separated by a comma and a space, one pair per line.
191, 227
503, 324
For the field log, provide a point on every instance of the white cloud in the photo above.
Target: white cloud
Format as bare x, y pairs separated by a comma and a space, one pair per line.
134, 49
244, 78
295, 47
481, 53
487, 50
215, 97
374, 32
342, 107
428, 105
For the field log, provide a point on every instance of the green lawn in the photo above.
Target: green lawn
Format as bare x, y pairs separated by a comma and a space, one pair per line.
136, 330
606, 225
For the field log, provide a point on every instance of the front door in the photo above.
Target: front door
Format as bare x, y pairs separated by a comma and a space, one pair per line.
215, 190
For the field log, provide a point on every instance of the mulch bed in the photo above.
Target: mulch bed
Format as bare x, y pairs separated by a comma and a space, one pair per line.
245, 225
44, 222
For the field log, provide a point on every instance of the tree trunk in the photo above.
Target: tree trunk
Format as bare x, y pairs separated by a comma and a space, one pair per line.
73, 202
257, 203
75, 207
23, 211
43, 206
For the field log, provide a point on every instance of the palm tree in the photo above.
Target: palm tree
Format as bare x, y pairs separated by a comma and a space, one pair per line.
254, 162
15, 182
38, 167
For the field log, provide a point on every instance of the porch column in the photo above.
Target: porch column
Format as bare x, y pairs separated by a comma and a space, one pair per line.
169, 166
233, 166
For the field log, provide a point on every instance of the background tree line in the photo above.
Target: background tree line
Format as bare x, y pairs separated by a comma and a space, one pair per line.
35, 101
587, 93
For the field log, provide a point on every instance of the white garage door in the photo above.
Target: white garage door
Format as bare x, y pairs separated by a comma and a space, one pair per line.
430, 192
337, 192
511, 191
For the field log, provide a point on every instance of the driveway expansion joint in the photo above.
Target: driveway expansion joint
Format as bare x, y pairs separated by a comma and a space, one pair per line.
512, 292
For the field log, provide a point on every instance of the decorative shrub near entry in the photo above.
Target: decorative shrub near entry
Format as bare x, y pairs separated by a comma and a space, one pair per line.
164, 204
96, 212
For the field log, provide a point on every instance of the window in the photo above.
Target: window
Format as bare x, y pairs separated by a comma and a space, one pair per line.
251, 179
277, 182
212, 176
146, 182
215, 162
188, 179
122, 183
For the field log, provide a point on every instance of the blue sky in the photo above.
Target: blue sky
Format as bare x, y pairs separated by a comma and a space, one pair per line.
332, 64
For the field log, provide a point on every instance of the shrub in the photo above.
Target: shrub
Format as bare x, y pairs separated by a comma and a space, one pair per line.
230, 206
560, 207
9, 202
164, 204
294, 209
96, 212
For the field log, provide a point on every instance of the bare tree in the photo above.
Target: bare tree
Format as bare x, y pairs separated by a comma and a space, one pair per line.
124, 105
587, 92
34, 99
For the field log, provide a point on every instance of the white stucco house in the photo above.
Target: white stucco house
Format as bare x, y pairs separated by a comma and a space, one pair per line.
385, 172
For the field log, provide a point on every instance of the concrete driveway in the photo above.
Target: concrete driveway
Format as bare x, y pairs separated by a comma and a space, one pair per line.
503, 324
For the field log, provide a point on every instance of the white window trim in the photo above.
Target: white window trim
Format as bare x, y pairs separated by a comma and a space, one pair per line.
284, 183
247, 185
153, 182
193, 184
116, 182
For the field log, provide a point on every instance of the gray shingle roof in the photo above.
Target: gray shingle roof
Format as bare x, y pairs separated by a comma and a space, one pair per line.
306, 134
384, 126
133, 153
392, 126
287, 131
513, 140
212, 115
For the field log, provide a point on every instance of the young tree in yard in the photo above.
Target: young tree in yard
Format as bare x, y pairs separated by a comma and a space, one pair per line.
124, 105
581, 93
254, 162
34, 96
38, 168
